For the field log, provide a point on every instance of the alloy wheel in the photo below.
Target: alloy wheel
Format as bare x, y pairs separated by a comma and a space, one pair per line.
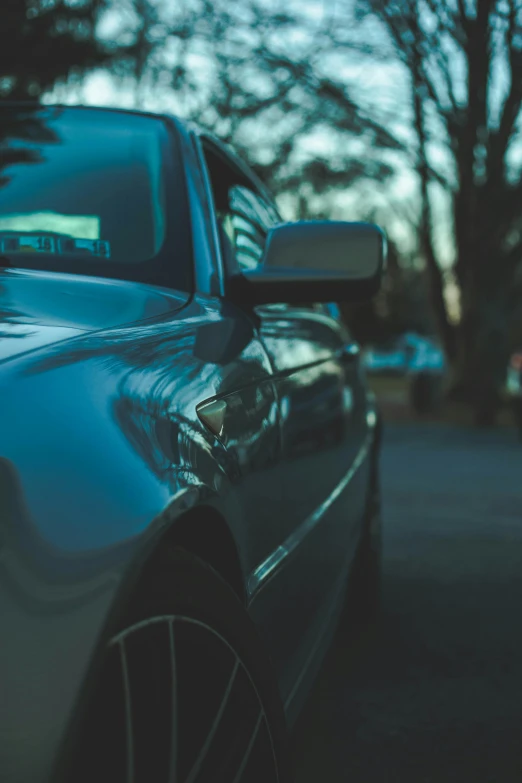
176, 704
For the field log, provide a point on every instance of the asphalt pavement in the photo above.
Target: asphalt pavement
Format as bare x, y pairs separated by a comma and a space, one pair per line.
433, 692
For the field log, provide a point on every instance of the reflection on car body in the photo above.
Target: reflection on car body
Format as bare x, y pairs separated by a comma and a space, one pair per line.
150, 560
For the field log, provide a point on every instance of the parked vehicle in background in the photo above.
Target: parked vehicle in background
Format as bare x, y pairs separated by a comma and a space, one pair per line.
514, 388
419, 359
189, 456
386, 359
408, 354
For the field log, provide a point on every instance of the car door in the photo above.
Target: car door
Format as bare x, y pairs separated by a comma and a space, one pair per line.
231, 379
323, 432
315, 368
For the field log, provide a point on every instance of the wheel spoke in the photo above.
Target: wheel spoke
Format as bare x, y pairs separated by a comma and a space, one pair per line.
208, 741
229, 731
174, 707
128, 712
248, 751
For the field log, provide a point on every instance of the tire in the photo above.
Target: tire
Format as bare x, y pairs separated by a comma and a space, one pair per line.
187, 656
363, 598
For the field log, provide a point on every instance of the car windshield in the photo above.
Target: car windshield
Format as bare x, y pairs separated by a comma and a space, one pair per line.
81, 190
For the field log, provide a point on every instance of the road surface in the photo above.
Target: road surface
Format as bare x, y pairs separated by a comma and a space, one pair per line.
433, 693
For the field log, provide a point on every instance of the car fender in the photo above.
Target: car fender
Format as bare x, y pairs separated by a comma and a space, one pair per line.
87, 490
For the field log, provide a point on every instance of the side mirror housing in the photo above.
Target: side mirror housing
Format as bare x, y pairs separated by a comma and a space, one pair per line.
315, 261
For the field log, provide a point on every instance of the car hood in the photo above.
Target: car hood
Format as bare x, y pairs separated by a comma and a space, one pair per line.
41, 308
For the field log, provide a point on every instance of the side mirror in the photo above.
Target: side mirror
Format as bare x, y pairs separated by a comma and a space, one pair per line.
315, 261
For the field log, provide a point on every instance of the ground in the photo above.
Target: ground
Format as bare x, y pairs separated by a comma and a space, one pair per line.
433, 692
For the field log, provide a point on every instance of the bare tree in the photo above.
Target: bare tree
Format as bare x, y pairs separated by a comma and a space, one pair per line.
253, 72
454, 51
43, 42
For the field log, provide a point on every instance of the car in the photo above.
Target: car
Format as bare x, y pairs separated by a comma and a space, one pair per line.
417, 358
386, 359
178, 541
514, 388
410, 354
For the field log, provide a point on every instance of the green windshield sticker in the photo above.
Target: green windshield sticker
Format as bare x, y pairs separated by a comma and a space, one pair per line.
43, 243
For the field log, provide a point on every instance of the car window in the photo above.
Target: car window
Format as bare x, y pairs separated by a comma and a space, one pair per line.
82, 190
244, 213
246, 223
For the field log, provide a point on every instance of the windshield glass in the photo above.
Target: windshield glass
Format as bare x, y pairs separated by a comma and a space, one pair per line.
82, 190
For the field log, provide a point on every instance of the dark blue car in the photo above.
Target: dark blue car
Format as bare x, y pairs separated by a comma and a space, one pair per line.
188, 453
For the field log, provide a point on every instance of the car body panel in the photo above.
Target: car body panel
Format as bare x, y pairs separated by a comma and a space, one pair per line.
101, 443
38, 309
325, 449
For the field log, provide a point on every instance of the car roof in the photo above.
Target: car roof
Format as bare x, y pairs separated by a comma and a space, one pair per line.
189, 125
81, 107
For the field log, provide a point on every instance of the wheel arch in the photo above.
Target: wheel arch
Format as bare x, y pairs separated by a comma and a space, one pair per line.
203, 532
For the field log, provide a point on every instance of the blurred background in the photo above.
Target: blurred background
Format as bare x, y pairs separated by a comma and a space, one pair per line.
407, 113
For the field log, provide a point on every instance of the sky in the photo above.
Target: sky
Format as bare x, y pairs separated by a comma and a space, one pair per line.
382, 85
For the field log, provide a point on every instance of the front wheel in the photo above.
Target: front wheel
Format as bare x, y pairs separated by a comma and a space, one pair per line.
186, 693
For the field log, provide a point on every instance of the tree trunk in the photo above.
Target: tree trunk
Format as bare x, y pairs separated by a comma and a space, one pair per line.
482, 352
438, 302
